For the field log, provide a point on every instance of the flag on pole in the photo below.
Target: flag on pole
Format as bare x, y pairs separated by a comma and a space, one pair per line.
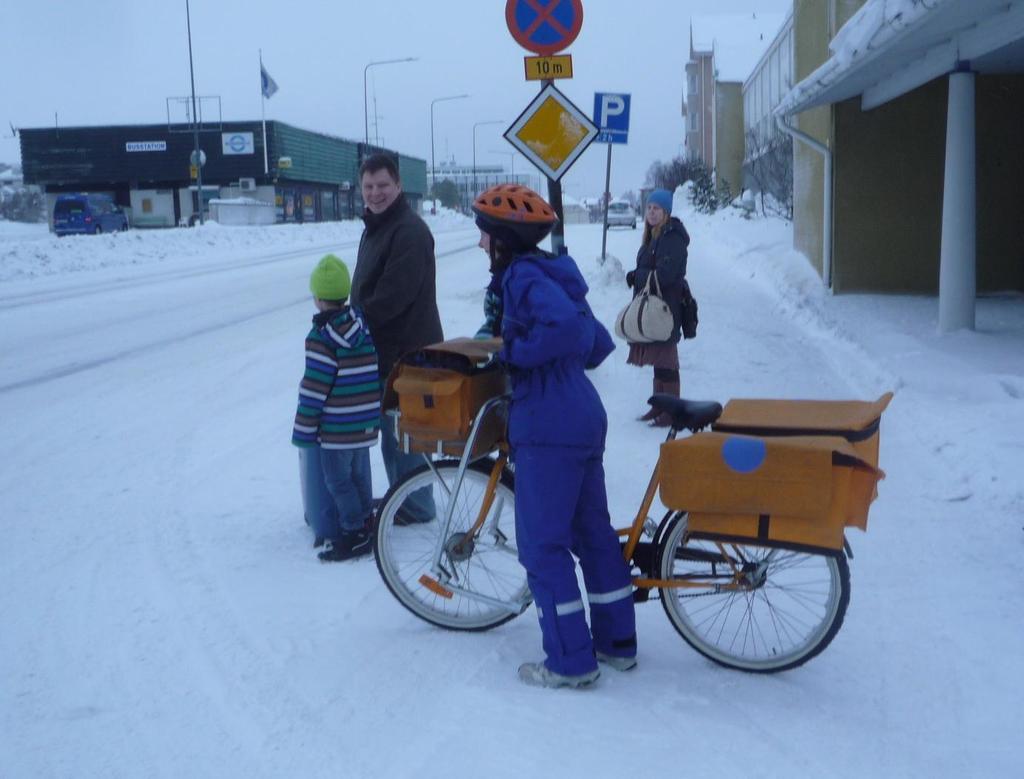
269, 86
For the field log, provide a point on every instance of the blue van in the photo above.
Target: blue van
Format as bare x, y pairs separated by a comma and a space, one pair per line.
87, 215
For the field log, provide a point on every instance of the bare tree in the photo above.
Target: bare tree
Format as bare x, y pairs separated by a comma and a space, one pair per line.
771, 168
669, 175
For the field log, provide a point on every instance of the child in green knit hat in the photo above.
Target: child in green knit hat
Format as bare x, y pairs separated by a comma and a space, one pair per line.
338, 417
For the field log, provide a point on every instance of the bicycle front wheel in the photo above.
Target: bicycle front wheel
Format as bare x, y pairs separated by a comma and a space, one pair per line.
758, 609
450, 576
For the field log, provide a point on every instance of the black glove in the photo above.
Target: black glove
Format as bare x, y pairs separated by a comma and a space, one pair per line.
630, 278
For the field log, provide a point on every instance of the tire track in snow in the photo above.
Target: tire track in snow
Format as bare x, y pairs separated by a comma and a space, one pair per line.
78, 367
96, 288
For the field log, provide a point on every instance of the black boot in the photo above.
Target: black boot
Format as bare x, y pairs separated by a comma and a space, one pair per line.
350, 545
668, 388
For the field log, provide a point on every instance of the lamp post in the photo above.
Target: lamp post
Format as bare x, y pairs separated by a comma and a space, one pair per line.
479, 124
366, 121
195, 119
433, 170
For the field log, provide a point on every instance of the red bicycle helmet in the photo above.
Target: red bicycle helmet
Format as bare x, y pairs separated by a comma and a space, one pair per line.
515, 215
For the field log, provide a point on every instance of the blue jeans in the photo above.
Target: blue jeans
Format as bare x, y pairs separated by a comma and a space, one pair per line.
397, 464
337, 492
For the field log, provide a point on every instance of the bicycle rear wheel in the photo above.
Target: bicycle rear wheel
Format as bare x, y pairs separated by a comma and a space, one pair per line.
788, 605
477, 583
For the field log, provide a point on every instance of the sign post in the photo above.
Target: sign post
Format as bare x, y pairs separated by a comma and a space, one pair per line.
546, 28
611, 115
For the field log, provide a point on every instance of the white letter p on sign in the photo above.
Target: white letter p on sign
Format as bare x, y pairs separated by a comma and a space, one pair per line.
611, 105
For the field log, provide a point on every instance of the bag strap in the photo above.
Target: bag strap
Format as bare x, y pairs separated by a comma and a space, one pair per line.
654, 269
647, 287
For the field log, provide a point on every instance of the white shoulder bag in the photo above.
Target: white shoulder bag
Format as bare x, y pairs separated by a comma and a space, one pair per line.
647, 318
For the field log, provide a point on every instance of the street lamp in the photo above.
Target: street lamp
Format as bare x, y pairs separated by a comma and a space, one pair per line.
195, 119
366, 121
479, 124
433, 170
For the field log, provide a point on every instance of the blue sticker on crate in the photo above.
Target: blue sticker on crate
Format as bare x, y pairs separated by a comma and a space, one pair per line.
744, 455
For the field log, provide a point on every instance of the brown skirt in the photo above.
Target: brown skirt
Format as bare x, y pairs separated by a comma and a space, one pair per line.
664, 355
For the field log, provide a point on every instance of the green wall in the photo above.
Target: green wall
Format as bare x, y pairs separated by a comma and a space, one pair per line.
414, 175
315, 156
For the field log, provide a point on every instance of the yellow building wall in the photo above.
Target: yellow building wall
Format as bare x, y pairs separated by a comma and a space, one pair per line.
729, 134
888, 173
1000, 160
811, 36
889, 176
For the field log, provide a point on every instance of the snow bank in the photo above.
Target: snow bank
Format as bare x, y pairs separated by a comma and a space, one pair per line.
30, 250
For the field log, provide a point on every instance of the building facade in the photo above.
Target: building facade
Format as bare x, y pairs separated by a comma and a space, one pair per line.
767, 153
919, 118
723, 50
698, 102
148, 169
470, 181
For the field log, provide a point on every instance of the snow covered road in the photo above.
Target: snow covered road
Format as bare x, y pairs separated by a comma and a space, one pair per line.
104, 321
164, 615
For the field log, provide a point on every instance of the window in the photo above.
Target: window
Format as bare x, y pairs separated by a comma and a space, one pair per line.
69, 208
100, 205
773, 75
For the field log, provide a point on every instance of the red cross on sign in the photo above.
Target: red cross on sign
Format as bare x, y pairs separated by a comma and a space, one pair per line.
544, 26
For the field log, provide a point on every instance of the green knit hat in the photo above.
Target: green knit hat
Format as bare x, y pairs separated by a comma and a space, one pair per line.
330, 279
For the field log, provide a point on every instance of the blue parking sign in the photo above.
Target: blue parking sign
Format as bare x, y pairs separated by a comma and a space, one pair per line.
611, 115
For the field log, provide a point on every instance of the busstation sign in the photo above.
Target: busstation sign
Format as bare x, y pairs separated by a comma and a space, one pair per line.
552, 132
544, 26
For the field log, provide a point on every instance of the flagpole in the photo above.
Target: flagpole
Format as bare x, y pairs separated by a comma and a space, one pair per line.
263, 117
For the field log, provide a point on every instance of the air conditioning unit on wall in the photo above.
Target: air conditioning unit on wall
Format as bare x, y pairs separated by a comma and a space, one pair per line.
247, 185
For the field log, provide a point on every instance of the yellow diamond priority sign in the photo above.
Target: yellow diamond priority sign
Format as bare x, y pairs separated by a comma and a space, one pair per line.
552, 133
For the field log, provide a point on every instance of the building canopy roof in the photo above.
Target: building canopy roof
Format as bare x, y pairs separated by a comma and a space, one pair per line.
737, 40
890, 47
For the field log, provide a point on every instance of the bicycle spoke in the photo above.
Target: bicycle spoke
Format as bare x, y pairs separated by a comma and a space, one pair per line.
485, 564
782, 605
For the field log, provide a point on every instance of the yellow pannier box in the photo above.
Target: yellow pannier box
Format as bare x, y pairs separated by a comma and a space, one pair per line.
796, 489
438, 391
856, 421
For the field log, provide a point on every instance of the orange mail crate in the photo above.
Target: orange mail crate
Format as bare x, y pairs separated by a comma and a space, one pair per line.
438, 391
795, 489
857, 421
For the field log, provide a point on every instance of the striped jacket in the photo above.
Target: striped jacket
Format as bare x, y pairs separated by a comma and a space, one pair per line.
339, 396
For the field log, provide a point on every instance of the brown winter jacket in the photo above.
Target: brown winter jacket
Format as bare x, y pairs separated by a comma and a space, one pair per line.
394, 285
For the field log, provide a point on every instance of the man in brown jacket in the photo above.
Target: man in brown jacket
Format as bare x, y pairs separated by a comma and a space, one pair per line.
394, 288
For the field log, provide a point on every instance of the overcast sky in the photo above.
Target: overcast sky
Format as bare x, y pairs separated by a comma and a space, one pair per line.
116, 61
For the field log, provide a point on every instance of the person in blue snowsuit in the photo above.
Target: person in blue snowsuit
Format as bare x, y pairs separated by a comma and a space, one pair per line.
557, 427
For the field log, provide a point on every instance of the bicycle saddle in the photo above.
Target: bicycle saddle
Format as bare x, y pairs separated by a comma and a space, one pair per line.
692, 415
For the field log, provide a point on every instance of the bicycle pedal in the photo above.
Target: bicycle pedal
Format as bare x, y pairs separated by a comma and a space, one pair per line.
650, 527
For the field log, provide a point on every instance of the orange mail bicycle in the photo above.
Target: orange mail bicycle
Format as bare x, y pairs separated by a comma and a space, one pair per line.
749, 559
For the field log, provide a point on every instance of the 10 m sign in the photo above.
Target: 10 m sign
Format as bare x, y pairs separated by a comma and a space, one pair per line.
542, 68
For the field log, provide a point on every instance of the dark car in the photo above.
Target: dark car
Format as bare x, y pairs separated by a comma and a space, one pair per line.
87, 215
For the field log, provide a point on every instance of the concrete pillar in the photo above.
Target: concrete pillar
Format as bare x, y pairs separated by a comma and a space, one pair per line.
957, 272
